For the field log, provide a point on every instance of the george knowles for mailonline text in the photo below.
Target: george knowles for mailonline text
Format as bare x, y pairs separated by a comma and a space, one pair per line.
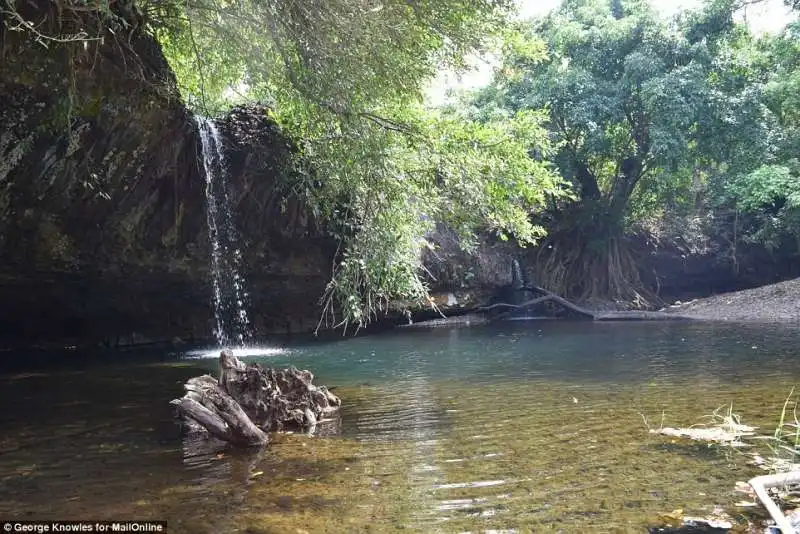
40, 527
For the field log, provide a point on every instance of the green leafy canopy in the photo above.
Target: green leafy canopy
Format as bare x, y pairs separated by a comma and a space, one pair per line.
643, 112
345, 79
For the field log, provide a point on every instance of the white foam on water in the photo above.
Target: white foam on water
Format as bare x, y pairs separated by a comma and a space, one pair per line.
241, 352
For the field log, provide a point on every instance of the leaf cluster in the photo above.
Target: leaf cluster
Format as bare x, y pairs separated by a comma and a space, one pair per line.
345, 79
644, 110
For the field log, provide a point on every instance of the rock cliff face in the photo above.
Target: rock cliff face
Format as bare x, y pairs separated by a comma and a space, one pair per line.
103, 231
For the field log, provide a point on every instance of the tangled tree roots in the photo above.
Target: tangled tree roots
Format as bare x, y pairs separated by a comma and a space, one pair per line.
586, 269
247, 401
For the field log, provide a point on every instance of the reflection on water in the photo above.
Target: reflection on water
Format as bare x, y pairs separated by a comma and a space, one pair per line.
530, 426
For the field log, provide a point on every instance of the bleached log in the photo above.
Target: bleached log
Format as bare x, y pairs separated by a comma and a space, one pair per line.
760, 486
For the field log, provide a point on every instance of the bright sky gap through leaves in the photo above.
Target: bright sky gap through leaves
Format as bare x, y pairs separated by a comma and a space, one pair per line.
768, 16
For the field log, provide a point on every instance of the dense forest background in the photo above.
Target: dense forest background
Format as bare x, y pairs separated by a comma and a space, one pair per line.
607, 131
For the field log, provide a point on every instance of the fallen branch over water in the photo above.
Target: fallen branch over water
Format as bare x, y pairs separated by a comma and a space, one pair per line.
633, 315
247, 401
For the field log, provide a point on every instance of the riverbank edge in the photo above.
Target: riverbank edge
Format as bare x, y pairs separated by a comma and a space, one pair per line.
779, 302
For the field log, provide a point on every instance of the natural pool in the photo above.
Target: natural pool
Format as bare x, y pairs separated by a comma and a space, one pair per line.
525, 426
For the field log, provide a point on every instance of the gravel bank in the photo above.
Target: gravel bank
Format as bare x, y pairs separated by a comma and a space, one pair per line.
775, 302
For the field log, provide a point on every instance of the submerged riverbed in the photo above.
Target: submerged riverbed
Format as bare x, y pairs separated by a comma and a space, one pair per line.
527, 426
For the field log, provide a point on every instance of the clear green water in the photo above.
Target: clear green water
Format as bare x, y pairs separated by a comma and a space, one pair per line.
526, 427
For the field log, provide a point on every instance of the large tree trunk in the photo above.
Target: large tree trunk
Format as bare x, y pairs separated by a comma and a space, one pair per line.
631, 171
590, 190
248, 401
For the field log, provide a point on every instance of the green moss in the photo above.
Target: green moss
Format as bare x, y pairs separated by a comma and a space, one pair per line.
58, 119
89, 107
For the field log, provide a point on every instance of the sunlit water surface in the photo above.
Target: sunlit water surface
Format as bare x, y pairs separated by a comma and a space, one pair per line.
525, 427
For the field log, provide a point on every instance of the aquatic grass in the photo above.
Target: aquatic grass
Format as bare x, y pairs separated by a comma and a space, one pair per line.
647, 424
784, 443
723, 429
730, 422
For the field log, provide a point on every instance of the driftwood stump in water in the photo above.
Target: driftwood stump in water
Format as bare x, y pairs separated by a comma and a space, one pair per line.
247, 401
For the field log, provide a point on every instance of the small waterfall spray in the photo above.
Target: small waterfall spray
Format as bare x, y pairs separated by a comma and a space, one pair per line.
517, 278
233, 326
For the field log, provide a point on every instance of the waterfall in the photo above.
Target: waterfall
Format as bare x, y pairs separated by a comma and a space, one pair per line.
517, 278
233, 326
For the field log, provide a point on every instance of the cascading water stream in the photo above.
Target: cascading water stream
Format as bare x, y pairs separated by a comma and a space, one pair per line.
233, 325
517, 277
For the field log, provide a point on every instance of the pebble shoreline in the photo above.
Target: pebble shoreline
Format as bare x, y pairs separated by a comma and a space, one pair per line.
772, 303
